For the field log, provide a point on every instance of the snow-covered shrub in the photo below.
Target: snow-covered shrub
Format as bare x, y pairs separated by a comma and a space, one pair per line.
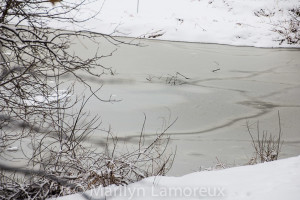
62, 162
290, 30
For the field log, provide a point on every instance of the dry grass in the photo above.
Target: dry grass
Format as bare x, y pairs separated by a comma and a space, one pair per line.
267, 146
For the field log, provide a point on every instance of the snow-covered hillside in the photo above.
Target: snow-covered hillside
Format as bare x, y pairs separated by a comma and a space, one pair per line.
268, 181
234, 22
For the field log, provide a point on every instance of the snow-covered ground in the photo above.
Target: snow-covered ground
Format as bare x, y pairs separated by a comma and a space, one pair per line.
234, 22
268, 181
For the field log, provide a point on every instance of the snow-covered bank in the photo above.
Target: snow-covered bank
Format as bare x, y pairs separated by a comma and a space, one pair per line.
274, 180
238, 22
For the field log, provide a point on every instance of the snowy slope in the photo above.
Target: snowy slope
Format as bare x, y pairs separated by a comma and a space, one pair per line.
234, 22
274, 180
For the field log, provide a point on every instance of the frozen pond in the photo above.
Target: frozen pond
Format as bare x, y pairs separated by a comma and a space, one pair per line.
226, 87
223, 88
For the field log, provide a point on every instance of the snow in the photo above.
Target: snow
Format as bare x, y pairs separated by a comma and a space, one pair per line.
42, 99
238, 22
12, 149
275, 180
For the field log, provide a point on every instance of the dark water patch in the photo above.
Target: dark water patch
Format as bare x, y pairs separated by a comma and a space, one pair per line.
264, 105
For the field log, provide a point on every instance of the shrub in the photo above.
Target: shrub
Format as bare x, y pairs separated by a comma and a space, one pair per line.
267, 146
